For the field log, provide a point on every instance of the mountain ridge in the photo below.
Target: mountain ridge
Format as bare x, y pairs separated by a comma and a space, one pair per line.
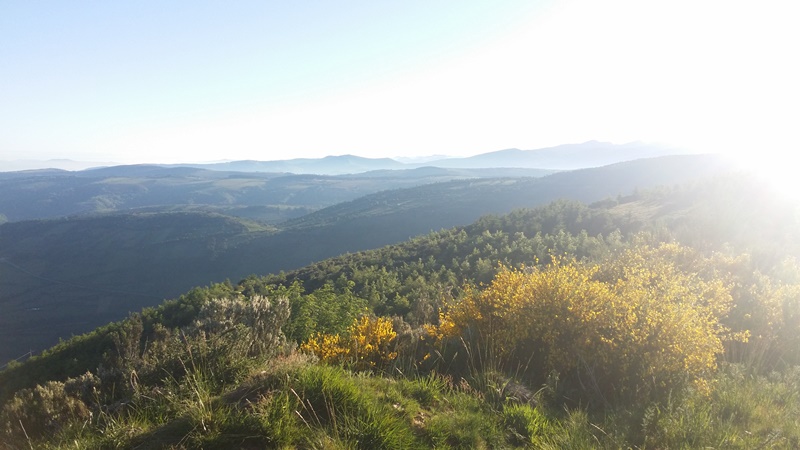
561, 157
271, 197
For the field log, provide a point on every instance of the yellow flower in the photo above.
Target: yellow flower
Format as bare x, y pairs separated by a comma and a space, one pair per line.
368, 343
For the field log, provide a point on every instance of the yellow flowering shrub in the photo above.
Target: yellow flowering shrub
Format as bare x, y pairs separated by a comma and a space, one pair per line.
633, 326
327, 347
367, 344
767, 308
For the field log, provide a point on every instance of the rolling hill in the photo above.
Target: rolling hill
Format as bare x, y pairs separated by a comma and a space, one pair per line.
74, 274
269, 197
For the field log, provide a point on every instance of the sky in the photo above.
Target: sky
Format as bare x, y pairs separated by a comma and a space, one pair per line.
195, 81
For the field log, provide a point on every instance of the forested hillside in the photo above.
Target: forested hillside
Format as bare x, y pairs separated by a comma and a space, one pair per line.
74, 274
663, 318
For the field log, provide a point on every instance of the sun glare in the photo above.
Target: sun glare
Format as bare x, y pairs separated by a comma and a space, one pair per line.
778, 171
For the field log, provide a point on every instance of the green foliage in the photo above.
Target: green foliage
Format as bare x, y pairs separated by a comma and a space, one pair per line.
427, 390
45, 409
411, 280
330, 399
329, 309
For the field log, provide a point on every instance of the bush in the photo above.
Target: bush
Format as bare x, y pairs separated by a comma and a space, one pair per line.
42, 411
261, 318
227, 338
631, 329
367, 344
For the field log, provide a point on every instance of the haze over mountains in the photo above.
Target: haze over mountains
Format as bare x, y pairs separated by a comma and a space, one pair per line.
562, 157
274, 191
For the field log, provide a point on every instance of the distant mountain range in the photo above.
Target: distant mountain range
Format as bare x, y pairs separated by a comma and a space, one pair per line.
329, 165
562, 157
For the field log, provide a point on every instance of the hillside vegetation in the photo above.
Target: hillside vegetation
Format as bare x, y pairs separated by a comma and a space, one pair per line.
668, 318
71, 275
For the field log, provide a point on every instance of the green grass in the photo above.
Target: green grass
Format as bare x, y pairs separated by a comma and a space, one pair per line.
743, 412
293, 402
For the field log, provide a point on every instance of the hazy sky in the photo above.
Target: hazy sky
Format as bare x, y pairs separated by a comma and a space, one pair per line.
169, 81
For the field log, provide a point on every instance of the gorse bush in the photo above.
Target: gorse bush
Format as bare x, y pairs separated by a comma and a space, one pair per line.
633, 329
367, 344
768, 307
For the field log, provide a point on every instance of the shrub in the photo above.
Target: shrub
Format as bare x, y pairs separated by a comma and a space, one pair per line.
41, 411
367, 344
769, 308
627, 329
262, 318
